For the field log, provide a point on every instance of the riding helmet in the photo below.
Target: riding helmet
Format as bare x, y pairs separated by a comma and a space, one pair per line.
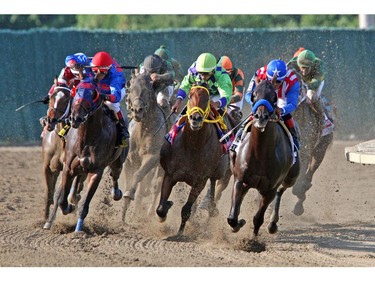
306, 58
206, 62
278, 67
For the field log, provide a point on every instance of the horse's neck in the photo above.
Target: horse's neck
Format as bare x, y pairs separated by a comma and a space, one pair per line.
197, 138
94, 126
262, 142
153, 116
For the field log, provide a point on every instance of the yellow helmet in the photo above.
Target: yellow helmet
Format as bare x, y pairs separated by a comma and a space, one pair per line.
206, 62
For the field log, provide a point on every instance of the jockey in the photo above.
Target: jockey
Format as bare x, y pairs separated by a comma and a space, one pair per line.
111, 82
162, 74
312, 73
73, 72
237, 77
164, 97
287, 88
205, 69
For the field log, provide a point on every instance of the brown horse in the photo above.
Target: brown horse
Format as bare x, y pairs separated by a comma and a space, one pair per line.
264, 161
147, 129
90, 148
313, 146
195, 156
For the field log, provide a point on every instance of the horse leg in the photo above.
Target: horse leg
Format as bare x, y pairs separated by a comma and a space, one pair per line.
60, 199
318, 154
94, 180
164, 204
116, 168
272, 226
186, 209
259, 216
238, 193
157, 183
148, 162
74, 197
50, 179
208, 202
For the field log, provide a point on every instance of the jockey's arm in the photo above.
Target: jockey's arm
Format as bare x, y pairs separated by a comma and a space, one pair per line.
291, 99
225, 90
238, 87
253, 82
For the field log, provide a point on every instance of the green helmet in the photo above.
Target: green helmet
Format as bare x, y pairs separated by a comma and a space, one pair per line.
163, 53
306, 59
206, 62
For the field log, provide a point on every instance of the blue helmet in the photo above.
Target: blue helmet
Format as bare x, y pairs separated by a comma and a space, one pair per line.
78, 58
276, 66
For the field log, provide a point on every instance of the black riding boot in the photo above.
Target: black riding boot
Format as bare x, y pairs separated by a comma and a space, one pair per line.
293, 131
123, 132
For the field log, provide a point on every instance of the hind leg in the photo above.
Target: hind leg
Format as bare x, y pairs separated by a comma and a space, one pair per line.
238, 193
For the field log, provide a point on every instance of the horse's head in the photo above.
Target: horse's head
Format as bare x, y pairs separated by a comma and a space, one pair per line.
85, 101
140, 96
264, 100
198, 106
59, 106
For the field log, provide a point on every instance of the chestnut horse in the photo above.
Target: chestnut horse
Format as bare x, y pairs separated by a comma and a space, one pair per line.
52, 145
264, 161
194, 156
90, 148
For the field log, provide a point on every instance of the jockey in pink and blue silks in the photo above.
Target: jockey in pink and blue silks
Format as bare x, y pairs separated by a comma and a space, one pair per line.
110, 81
286, 86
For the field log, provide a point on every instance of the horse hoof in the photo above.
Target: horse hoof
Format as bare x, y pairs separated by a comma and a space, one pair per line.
47, 226
74, 199
213, 212
236, 225
298, 209
69, 209
116, 194
128, 194
272, 228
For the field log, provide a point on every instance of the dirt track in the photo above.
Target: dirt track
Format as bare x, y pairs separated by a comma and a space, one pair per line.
336, 230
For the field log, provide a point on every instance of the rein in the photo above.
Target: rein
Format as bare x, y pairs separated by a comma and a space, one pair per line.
205, 113
67, 109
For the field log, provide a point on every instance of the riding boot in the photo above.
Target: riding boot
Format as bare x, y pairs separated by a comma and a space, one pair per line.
294, 134
239, 136
122, 130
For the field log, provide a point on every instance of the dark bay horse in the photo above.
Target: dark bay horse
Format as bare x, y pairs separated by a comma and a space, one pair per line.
313, 145
195, 155
90, 148
147, 129
264, 161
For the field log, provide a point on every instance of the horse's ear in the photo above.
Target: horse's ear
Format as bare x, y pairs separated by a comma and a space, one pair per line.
273, 81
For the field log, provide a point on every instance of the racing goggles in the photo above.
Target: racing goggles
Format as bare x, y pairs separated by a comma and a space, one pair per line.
100, 69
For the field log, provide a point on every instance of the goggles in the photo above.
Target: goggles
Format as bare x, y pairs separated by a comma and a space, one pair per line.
100, 69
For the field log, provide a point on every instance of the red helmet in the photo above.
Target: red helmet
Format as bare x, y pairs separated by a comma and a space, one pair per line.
102, 60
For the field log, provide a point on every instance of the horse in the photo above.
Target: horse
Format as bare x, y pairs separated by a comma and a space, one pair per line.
313, 146
90, 148
264, 161
194, 156
146, 137
53, 145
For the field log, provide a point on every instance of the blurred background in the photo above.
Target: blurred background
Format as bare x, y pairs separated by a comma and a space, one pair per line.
33, 50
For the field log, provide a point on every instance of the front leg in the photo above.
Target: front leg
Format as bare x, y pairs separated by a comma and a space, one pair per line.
164, 204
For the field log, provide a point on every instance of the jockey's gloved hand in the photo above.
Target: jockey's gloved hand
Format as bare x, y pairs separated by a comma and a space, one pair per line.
45, 100
105, 97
